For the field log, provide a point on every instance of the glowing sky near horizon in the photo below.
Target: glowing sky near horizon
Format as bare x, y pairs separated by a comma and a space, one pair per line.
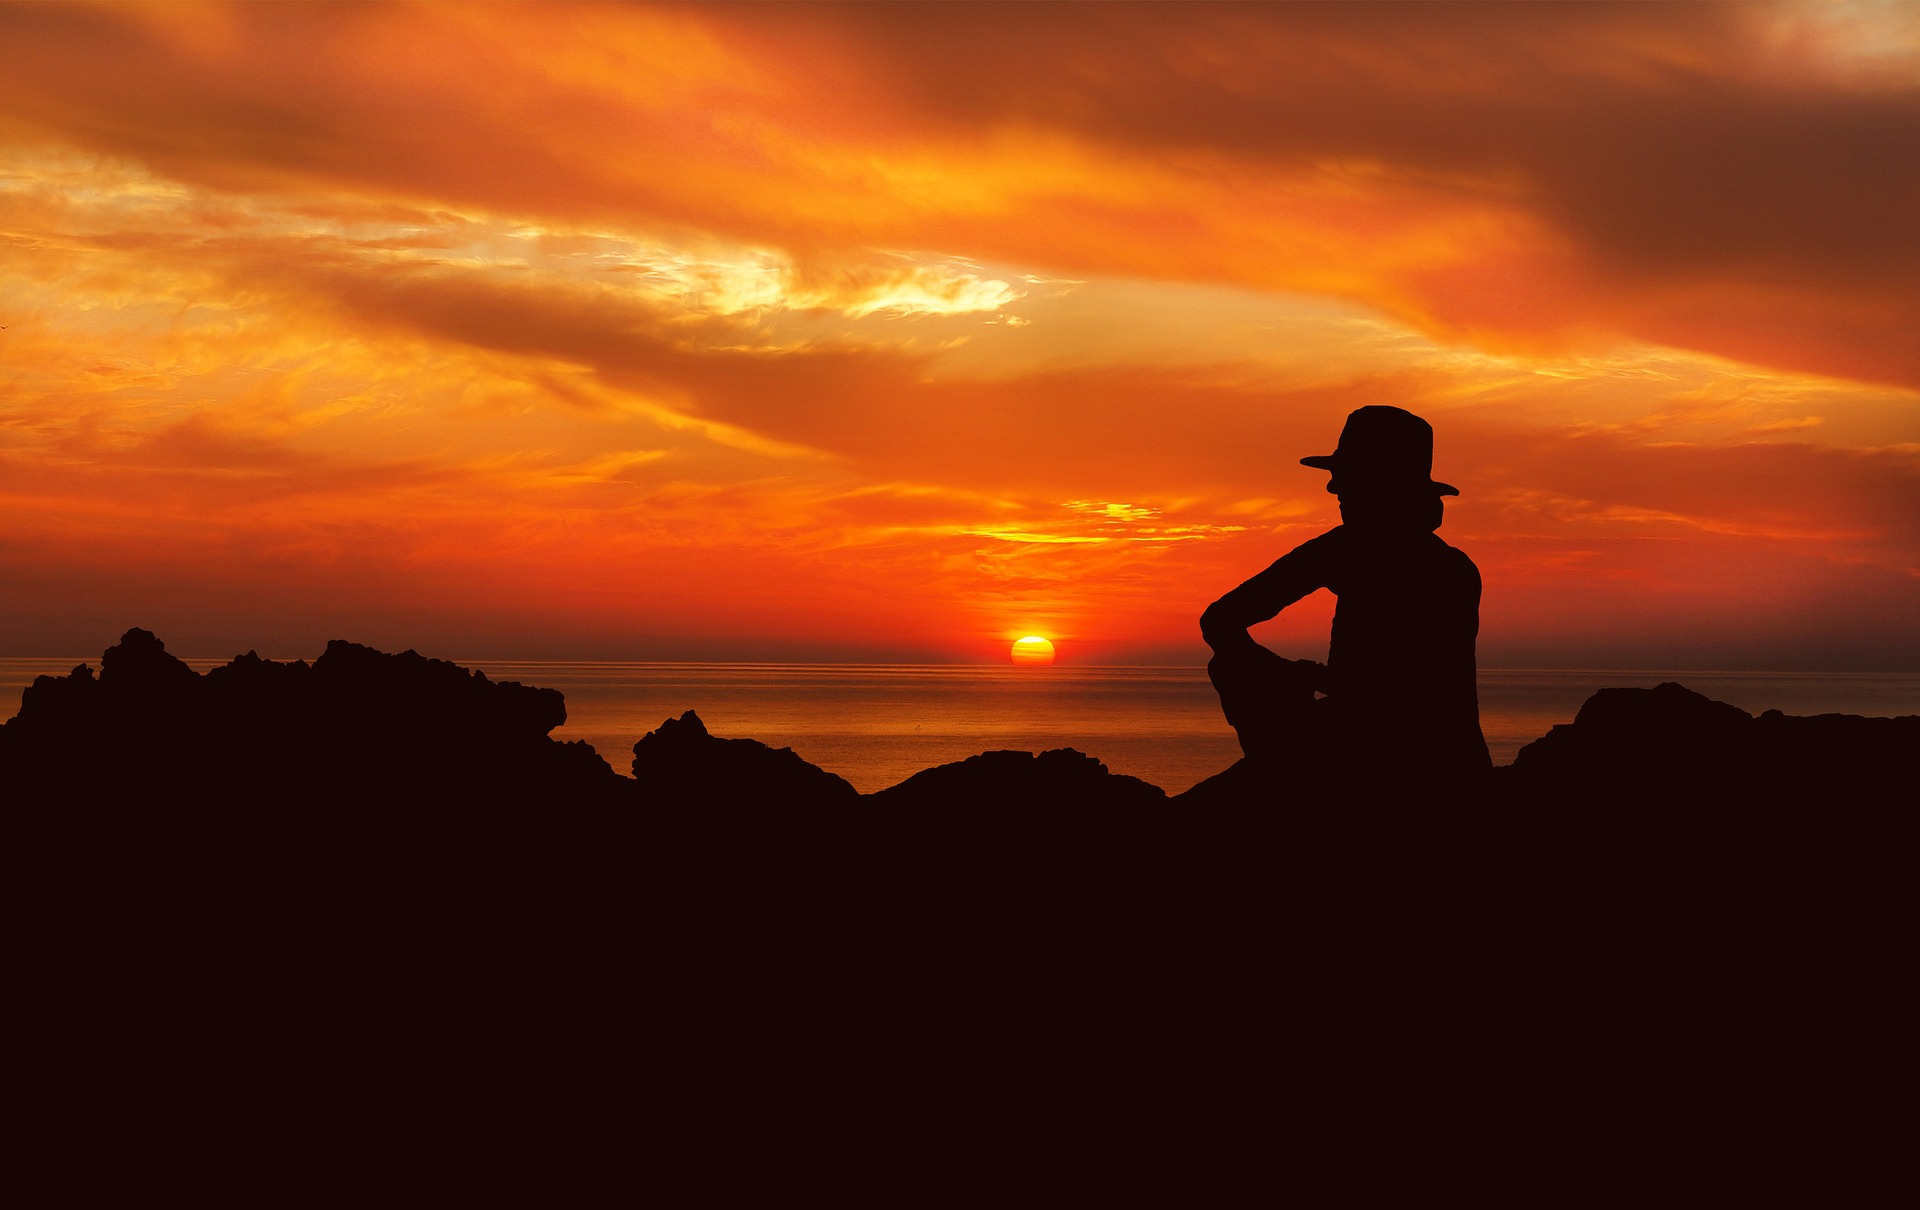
904, 331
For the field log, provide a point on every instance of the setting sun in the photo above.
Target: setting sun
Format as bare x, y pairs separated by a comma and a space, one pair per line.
1032, 650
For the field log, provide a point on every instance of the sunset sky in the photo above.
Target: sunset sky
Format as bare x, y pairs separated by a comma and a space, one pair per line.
900, 331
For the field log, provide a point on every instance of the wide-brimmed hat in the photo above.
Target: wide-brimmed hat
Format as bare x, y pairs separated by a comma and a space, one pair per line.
1384, 445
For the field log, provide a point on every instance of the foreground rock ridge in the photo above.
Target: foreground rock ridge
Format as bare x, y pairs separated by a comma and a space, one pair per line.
354, 725
362, 726
377, 879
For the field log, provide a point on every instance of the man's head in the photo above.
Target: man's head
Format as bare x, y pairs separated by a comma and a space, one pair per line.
1383, 468
1383, 447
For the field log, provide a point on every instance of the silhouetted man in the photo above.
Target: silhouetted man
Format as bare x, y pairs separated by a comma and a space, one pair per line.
1401, 708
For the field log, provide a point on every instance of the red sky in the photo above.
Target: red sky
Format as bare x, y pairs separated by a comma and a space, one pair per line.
900, 331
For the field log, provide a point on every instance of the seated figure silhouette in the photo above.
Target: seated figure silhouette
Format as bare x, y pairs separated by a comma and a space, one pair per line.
1400, 709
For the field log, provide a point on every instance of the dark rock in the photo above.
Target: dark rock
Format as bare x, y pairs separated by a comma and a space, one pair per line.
680, 764
1060, 777
1874, 754
395, 834
1635, 747
139, 662
358, 728
1241, 783
1669, 725
408, 695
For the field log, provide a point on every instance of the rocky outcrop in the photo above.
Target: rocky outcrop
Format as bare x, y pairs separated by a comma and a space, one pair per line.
356, 726
1009, 914
1670, 744
680, 764
1059, 777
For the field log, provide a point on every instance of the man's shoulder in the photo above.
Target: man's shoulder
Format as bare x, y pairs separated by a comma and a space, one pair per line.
1331, 545
1333, 539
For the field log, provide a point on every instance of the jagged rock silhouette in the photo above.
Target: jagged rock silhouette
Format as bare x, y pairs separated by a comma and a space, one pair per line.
399, 853
681, 764
1672, 745
355, 727
1022, 779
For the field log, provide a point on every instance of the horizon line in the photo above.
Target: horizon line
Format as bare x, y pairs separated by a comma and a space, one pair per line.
477, 664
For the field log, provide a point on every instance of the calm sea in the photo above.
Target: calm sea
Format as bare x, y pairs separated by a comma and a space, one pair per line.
877, 724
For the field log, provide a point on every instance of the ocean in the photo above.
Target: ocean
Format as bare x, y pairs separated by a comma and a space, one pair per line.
877, 724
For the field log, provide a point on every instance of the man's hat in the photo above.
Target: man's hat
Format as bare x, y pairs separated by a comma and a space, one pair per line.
1384, 444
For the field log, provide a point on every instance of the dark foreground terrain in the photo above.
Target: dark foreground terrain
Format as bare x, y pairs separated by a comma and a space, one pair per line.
1666, 922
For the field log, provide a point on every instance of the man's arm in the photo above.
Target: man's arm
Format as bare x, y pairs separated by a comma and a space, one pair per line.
1297, 573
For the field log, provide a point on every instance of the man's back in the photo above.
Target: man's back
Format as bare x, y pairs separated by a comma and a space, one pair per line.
1400, 665
1401, 679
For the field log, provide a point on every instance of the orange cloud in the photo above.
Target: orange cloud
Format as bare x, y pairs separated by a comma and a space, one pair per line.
1710, 176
